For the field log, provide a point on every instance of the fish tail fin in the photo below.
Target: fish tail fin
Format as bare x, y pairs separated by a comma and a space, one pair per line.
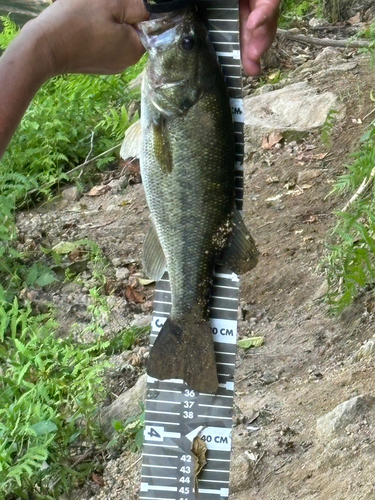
185, 350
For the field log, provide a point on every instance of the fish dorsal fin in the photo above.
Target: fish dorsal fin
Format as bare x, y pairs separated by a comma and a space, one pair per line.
154, 263
162, 147
132, 144
240, 254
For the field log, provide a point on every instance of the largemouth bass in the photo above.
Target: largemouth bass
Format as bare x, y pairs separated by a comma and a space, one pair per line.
187, 167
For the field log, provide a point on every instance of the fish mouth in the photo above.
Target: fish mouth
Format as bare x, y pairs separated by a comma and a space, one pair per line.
161, 29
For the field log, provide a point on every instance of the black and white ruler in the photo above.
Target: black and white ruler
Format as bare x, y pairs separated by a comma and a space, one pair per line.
175, 414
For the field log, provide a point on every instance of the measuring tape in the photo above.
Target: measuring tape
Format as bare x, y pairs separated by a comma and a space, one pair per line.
175, 414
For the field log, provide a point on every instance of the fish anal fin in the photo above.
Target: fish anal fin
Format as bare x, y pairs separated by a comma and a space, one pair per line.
185, 350
154, 263
240, 254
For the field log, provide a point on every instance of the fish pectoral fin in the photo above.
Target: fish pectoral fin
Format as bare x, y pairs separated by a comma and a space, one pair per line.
162, 148
154, 263
132, 144
240, 254
185, 350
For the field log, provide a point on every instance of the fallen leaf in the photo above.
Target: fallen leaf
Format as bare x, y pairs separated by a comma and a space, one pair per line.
251, 342
134, 296
98, 479
145, 282
271, 140
199, 450
98, 190
355, 19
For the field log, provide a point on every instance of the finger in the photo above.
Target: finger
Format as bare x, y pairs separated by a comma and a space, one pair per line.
264, 13
132, 40
134, 12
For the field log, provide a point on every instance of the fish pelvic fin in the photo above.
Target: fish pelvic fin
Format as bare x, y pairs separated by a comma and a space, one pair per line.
184, 349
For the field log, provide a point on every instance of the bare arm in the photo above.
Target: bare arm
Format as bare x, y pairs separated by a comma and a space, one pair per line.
70, 36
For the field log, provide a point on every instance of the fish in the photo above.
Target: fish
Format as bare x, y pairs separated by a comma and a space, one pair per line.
187, 163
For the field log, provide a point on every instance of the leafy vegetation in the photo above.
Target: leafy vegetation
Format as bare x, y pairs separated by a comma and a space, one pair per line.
351, 258
71, 117
51, 387
296, 10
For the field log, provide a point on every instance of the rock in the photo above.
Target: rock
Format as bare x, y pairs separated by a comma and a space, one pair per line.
315, 22
122, 273
71, 194
294, 108
365, 351
125, 406
333, 424
308, 175
327, 54
141, 320
240, 473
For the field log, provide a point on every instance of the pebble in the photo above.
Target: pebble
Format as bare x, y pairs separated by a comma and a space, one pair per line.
122, 273
334, 423
71, 194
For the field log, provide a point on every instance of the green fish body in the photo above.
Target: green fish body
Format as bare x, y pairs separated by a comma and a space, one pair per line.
187, 167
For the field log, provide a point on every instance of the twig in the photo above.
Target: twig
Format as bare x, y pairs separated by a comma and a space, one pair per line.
323, 42
91, 146
132, 465
84, 164
362, 188
368, 114
78, 461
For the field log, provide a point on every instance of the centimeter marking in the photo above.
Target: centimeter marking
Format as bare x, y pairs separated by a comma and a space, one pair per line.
175, 415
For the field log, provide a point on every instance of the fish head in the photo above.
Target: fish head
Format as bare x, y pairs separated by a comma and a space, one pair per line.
177, 44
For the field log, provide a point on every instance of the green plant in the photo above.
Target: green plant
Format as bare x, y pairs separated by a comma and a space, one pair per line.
350, 262
294, 10
49, 395
129, 432
328, 126
71, 118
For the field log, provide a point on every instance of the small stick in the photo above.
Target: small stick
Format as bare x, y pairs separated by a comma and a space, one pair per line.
323, 42
362, 188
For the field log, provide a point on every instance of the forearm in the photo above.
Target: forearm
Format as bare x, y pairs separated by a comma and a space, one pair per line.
23, 69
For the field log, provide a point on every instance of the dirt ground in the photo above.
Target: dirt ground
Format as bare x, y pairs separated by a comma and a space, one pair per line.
310, 361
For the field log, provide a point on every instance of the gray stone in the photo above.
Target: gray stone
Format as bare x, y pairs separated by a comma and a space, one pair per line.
125, 406
141, 320
365, 351
240, 473
295, 108
71, 194
122, 273
333, 424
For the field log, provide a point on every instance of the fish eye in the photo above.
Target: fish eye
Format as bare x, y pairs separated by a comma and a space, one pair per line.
187, 43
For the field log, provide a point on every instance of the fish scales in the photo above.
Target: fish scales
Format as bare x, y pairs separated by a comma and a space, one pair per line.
195, 199
187, 166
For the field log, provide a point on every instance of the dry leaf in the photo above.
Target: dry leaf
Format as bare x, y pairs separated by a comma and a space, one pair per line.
134, 296
355, 19
199, 450
145, 282
98, 190
271, 140
98, 479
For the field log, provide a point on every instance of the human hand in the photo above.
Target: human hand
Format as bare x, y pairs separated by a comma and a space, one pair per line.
258, 23
88, 36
